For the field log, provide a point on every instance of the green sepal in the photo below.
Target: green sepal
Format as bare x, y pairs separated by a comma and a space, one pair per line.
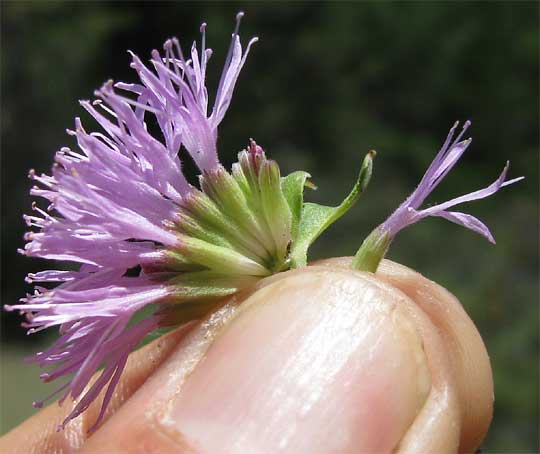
315, 218
228, 195
372, 251
206, 285
276, 211
221, 259
211, 218
293, 190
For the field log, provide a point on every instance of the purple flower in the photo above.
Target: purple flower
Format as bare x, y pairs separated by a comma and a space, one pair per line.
113, 206
408, 212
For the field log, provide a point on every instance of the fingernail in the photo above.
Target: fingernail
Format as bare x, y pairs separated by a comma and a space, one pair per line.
322, 361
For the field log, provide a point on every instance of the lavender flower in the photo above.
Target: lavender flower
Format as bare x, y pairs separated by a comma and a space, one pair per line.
376, 244
121, 202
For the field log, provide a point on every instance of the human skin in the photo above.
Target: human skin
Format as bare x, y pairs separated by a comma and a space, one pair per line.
318, 359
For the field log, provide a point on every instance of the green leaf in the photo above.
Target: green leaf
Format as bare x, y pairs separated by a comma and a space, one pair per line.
315, 218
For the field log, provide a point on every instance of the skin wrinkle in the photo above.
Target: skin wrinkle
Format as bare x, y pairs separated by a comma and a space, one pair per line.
438, 367
442, 401
467, 354
468, 362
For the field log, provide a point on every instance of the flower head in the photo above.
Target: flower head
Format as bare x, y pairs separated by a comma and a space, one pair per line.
121, 208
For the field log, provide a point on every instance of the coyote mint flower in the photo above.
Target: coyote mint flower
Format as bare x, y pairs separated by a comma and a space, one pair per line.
377, 243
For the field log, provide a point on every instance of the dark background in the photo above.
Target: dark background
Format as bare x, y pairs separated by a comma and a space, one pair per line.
326, 83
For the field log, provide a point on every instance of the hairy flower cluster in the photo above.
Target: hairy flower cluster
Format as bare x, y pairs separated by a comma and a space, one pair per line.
120, 202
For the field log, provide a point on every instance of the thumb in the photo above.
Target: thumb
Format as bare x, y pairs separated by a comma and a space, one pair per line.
318, 360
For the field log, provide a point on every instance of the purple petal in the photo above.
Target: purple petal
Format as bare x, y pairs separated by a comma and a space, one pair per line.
445, 160
476, 195
469, 222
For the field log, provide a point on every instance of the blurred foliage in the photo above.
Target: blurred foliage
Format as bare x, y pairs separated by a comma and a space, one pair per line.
326, 83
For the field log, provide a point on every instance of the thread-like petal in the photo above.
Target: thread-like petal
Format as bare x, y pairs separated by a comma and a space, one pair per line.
110, 206
408, 212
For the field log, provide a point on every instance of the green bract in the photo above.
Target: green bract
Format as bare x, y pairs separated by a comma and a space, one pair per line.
311, 219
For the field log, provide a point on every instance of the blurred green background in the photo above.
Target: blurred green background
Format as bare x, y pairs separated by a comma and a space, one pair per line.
326, 83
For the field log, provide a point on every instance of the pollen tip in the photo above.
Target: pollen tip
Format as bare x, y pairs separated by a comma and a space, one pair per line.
32, 173
239, 15
372, 153
168, 224
202, 28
